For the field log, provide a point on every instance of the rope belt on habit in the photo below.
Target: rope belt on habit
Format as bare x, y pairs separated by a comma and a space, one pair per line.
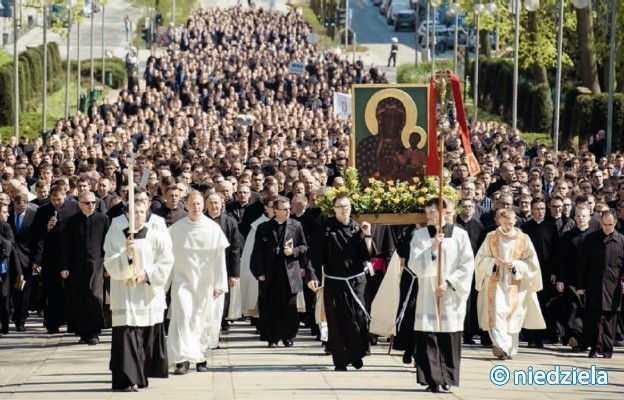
346, 280
399, 319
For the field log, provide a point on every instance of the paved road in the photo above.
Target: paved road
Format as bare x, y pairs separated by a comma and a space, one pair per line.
371, 28
34, 365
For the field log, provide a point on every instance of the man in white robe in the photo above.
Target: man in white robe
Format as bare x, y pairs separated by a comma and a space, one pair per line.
508, 278
199, 281
439, 332
138, 269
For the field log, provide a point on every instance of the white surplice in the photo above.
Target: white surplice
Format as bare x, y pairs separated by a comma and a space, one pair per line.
248, 282
141, 304
457, 268
199, 269
507, 300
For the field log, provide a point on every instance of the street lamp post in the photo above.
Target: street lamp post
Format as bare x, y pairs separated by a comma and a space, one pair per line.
78, 62
434, 4
454, 9
611, 78
103, 52
44, 91
16, 110
69, 22
478, 9
91, 82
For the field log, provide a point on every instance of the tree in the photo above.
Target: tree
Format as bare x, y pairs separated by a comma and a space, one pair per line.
585, 31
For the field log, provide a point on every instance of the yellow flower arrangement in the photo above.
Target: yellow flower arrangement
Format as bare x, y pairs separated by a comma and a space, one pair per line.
391, 197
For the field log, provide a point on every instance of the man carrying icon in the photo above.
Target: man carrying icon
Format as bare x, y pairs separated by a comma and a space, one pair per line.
341, 258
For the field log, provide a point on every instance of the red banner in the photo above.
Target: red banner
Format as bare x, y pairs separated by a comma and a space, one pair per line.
433, 159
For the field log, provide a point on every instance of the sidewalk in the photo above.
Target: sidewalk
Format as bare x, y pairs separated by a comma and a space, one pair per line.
34, 365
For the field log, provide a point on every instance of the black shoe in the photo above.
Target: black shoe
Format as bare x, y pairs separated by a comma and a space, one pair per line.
20, 328
607, 355
407, 357
225, 328
182, 368
83, 340
132, 388
469, 341
592, 354
272, 345
202, 367
445, 388
539, 344
340, 368
53, 331
531, 344
358, 364
433, 388
4, 331
288, 343
93, 341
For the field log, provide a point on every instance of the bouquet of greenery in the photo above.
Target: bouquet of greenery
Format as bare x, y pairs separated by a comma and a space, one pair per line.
391, 197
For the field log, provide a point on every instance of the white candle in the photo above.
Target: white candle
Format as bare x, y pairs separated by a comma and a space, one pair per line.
130, 163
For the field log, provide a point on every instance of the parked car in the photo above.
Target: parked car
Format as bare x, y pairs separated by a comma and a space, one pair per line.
394, 9
422, 31
405, 19
446, 39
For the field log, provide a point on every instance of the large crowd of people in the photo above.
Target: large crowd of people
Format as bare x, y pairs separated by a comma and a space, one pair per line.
230, 152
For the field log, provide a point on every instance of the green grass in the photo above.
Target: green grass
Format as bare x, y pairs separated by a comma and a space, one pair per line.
5, 58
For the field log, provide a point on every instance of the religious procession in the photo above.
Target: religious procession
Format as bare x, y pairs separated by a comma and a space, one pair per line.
225, 191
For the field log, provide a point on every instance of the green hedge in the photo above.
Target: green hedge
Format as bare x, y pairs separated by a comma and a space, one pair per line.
535, 108
116, 65
588, 115
31, 76
30, 69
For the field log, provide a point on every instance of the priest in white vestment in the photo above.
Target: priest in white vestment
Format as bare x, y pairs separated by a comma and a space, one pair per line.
199, 281
439, 334
138, 272
508, 278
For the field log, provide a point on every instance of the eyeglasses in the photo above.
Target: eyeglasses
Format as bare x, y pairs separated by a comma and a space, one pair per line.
89, 202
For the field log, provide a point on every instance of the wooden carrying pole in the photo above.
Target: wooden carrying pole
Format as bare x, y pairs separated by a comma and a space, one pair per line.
130, 171
442, 79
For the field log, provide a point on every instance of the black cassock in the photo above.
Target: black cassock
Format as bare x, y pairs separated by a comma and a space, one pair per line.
340, 251
279, 318
571, 317
46, 252
599, 272
83, 256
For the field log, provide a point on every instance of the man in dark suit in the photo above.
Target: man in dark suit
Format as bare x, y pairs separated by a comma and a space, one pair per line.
214, 211
476, 233
82, 262
20, 220
545, 238
49, 225
8, 272
277, 263
600, 268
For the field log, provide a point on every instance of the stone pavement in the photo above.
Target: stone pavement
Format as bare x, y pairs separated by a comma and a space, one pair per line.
34, 365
